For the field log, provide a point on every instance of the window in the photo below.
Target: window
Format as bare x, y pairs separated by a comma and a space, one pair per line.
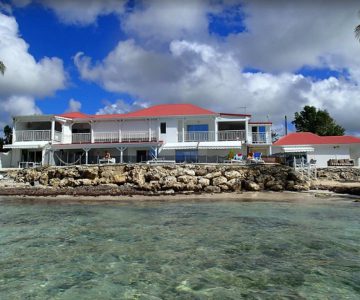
163, 127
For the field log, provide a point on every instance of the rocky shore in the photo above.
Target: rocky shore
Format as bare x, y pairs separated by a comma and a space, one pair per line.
135, 179
151, 180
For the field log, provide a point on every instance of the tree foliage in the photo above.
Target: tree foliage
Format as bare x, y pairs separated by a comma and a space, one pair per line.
317, 121
7, 139
2, 67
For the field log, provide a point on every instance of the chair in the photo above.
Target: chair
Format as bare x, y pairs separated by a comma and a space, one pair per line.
257, 158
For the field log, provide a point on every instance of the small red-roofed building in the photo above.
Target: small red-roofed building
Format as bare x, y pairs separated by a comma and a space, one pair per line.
323, 150
171, 132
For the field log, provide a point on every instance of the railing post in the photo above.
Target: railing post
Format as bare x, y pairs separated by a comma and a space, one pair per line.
52, 137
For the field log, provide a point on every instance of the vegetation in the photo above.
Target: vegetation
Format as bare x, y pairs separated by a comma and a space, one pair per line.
231, 154
316, 121
2, 67
7, 139
357, 32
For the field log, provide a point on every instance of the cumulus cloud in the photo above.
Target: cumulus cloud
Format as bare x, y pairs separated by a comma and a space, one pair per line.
78, 12
215, 79
25, 78
120, 107
74, 105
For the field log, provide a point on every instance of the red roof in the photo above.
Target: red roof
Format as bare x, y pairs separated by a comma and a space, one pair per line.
153, 111
308, 138
75, 115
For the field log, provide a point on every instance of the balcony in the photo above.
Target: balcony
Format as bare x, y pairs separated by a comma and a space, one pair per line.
210, 136
37, 136
260, 138
114, 137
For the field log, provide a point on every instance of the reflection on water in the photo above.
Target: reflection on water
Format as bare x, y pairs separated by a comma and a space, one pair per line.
222, 250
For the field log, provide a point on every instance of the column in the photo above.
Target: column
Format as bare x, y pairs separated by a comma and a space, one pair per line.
149, 130
52, 130
216, 130
183, 130
14, 132
92, 132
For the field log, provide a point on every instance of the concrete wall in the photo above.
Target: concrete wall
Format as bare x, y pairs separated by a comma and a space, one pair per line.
323, 153
5, 159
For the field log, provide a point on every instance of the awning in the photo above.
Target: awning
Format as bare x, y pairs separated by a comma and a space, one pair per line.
180, 146
297, 149
220, 145
26, 145
203, 145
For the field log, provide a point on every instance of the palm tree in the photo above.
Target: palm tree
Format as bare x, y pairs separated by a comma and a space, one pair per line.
357, 32
2, 67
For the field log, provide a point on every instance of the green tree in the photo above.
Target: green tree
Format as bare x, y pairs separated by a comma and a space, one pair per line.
2, 67
317, 121
7, 135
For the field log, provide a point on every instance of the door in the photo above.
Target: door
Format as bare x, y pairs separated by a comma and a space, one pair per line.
141, 155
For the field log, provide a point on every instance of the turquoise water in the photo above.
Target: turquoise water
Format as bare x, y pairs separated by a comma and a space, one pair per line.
218, 250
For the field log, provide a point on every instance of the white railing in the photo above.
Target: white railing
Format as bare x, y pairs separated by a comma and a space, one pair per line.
114, 137
210, 136
33, 135
106, 137
81, 138
261, 138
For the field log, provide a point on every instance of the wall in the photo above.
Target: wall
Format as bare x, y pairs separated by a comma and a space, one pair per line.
323, 153
5, 159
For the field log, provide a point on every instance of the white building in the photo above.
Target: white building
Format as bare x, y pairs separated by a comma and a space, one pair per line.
321, 149
181, 132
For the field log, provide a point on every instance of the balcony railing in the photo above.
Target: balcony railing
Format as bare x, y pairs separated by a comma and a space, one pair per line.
33, 135
114, 137
210, 136
81, 138
261, 138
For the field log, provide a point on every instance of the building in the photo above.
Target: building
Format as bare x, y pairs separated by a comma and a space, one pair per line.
321, 149
181, 132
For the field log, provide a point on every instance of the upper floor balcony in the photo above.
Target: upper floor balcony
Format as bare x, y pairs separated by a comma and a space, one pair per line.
37, 136
225, 135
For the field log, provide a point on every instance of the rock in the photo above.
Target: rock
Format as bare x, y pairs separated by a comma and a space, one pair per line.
212, 175
90, 173
189, 172
200, 171
44, 178
54, 182
187, 178
219, 180
119, 179
212, 189
277, 187
168, 181
224, 187
232, 174
234, 184
204, 181
85, 182
251, 186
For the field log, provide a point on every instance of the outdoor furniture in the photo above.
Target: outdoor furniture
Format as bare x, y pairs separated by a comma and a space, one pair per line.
29, 164
107, 161
256, 159
340, 163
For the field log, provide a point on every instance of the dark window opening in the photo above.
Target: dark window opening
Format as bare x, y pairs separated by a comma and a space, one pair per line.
162, 127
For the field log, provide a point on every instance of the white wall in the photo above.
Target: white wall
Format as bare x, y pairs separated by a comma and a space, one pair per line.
355, 153
5, 159
323, 153
66, 134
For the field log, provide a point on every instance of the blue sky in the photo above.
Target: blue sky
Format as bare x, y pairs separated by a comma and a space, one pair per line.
115, 56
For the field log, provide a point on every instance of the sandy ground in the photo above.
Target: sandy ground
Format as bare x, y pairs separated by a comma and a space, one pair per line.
301, 197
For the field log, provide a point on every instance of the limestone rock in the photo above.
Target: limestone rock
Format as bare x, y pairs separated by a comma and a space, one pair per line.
234, 184
232, 174
204, 181
212, 175
252, 186
119, 178
186, 178
168, 181
219, 180
212, 189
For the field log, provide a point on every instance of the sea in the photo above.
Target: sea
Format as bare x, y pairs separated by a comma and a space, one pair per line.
180, 250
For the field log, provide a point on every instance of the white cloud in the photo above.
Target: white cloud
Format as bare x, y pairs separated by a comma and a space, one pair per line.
120, 107
25, 78
74, 105
206, 76
79, 12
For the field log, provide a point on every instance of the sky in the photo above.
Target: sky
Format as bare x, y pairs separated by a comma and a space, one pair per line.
265, 58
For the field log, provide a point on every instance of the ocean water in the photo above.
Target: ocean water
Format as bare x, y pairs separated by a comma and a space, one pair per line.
213, 250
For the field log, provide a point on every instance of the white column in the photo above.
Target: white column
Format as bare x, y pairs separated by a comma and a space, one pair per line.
92, 132
86, 155
120, 131
158, 130
248, 132
216, 130
52, 130
149, 130
14, 132
183, 130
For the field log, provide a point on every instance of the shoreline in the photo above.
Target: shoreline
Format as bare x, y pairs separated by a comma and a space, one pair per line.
312, 196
